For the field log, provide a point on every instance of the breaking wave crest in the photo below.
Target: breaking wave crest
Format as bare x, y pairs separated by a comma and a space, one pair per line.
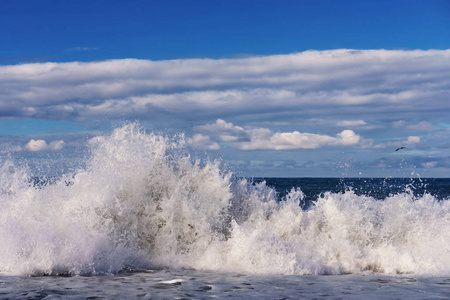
143, 202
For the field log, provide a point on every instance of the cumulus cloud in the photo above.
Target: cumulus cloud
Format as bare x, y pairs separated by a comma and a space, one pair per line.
266, 139
202, 142
413, 140
41, 145
36, 145
297, 140
226, 132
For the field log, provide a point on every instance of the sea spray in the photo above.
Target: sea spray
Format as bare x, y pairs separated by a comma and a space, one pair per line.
143, 201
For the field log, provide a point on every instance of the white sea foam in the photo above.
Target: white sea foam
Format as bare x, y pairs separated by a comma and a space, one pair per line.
142, 201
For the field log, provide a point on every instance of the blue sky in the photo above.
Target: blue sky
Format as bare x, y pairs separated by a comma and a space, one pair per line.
276, 88
64, 30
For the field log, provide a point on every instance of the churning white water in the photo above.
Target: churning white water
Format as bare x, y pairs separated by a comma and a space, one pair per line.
143, 202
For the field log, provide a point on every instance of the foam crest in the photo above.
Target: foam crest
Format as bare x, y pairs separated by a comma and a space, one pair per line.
346, 233
142, 201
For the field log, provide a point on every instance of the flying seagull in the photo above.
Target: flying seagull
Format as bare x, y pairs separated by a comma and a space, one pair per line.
399, 148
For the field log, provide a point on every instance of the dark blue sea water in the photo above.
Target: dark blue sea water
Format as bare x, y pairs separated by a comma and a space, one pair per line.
378, 188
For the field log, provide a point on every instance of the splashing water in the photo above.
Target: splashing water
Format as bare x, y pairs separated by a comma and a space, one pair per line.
143, 202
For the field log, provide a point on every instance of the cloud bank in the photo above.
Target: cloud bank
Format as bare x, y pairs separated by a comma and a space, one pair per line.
324, 84
265, 139
370, 100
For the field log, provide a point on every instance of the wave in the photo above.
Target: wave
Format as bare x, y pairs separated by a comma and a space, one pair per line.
143, 201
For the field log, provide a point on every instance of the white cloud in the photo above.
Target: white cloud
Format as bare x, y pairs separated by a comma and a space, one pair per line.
270, 97
351, 123
41, 145
36, 145
288, 141
413, 140
265, 139
226, 132
297, 140
430, 164
202, 142
56, 145
421, 126
348, 137
400, 123
339, 82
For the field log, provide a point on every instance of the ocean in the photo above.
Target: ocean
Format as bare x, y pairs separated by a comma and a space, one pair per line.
143, 218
